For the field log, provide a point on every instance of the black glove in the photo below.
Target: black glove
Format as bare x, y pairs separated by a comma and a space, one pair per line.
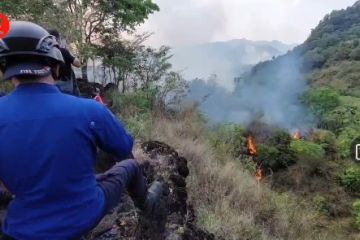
5, 197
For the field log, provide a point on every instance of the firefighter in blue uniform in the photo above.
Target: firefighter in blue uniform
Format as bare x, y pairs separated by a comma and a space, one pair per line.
48, 147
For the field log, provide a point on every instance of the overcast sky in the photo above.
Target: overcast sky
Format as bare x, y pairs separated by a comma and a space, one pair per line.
183, 22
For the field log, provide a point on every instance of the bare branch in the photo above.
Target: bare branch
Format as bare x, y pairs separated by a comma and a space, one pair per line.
70, 6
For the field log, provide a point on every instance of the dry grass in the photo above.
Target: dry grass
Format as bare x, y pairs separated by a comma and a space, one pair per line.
228, 201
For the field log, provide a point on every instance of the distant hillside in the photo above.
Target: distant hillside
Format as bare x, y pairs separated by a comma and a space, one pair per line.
225, 59
334, 43
273, 90
326, 67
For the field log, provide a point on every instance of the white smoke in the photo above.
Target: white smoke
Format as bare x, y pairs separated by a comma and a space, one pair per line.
270, 94
273, 95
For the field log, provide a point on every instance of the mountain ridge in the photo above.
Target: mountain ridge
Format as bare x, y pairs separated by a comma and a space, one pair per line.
226, 59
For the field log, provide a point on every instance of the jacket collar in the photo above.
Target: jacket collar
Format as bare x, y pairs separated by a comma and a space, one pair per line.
36, 88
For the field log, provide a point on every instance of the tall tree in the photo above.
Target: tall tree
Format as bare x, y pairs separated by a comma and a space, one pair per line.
120, 56
93, 18
83, 21
151, 65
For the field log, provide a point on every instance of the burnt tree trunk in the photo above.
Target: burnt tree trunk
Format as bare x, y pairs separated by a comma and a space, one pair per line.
124, 84
84, 74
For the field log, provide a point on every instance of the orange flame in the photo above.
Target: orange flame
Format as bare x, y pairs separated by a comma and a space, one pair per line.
251, 146
259, 175
99, 99
297, 135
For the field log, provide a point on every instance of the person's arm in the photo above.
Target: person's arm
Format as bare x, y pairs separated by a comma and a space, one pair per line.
69, 58
76, 63
112, 136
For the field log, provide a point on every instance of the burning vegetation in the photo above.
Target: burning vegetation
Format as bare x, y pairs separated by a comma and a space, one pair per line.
251, 148
270, 148
297, 134
259, 176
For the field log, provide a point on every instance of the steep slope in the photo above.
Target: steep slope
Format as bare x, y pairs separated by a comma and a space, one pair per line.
334, 43
330, 57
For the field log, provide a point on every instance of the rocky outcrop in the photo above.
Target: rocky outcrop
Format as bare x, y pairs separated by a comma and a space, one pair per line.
175, 219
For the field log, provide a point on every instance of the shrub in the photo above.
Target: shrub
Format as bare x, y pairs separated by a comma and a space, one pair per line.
248, 164
227, 139
306, 149
139, 102
355, 54
269, 156
327, 140
322, 101
313, 59
345, 115
139, 125
345, 139
356, 209
135, 110
341, 76
310, 155
350, 179
277, 154
321, 204
336, 120
281, 139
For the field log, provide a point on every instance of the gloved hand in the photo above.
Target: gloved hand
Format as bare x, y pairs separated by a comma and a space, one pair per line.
152, 201
5, 197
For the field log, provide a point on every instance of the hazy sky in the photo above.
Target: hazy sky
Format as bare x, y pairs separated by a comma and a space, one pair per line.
182, 22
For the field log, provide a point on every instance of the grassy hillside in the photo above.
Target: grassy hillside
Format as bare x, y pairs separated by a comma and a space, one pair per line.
311, 184
227, 199
332, 48
329, 61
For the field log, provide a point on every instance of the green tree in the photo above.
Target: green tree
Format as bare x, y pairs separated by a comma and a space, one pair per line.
277, 154
355, 54
350, 179
83, 21
172, 90
23, 10
151, 66
310, 156
322, 101
313, 59
92, 19
119, 55
356, 210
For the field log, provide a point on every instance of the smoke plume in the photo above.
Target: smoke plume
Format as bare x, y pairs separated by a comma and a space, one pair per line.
269, 93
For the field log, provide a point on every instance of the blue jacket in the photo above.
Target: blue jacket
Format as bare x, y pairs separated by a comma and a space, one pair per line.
47, 158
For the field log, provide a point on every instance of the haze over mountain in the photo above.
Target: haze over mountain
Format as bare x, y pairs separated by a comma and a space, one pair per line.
271, 91
224, 59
